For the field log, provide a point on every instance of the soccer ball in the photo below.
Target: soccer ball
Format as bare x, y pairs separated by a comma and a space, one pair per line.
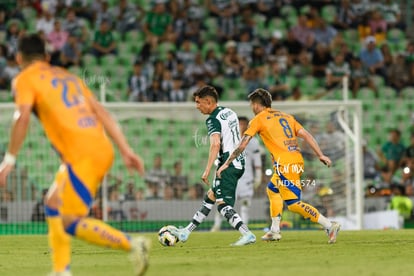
165, 236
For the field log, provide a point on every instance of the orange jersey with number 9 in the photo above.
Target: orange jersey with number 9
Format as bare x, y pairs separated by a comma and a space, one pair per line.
59, 100
278, 131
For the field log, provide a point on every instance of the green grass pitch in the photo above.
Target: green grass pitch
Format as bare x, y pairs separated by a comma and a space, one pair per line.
388, 252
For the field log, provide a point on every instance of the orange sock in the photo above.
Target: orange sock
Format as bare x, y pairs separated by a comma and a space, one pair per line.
99, 233
59, 241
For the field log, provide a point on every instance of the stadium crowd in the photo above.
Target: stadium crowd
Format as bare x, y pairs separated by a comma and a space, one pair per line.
163, 50
292, 48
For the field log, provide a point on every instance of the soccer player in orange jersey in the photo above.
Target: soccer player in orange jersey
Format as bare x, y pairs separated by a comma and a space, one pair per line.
77, 127
279, 132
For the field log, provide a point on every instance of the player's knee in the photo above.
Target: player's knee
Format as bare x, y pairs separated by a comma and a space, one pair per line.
70, 222
292, 204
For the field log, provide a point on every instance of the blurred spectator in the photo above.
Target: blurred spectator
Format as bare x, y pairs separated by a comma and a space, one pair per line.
156, 179
10, 70
336, 71
387, 55
71, 54
213, 64
13, 34
409, 53
234, 64
397, 74
323, 32
334, 138
320, 59
371, 162
402, 203
71, 23
378, 26
258, 59
364, 30
186, 52
103, 14
372, 57
345, 17
103, 41
386, 180
45, 22
38, 212
304, 67
167, 82
360, 77
198, 67
408, 158
278, 85
177, 94
245, 45
130, 192
293, 47
57, 38
302, 32
3, 63
183, 74
270, 8
157, 22
252, 80
179, 182
393, 150
126, 16
196, 191
155, 92
392, 14
137, 84
225, 12
274, 43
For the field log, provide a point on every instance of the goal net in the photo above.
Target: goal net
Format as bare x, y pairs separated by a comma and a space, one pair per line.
174, 136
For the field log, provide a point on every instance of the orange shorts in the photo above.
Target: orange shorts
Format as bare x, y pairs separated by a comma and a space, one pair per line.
286, 181
78, 184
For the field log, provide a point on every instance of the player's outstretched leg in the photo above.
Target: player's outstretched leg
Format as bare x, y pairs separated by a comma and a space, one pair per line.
236, 222
308, 211
183, 233
99, 233
275, 208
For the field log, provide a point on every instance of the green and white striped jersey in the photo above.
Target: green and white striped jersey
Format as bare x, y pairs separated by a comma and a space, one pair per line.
224, 121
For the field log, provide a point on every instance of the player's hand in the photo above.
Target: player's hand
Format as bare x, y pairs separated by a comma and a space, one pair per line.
133, 162
5, 169
204, 177
221, 169
325, 160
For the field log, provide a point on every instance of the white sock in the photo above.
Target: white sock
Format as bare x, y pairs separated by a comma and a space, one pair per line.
276, 224
326, 223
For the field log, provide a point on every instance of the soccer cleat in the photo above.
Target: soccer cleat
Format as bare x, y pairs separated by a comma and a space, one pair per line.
333, 231
63, 273
139, 254
182, 234
245, 239
272, 236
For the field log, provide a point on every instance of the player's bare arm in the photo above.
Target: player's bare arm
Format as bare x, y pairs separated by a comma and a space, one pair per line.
240, 148
212, 155
131, 159
21, 121
305, 135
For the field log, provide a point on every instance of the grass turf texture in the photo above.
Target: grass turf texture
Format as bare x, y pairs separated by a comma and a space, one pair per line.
387, 252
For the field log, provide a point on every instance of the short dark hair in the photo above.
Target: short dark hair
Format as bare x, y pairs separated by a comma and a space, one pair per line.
206, 91
261, 96
32, 46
